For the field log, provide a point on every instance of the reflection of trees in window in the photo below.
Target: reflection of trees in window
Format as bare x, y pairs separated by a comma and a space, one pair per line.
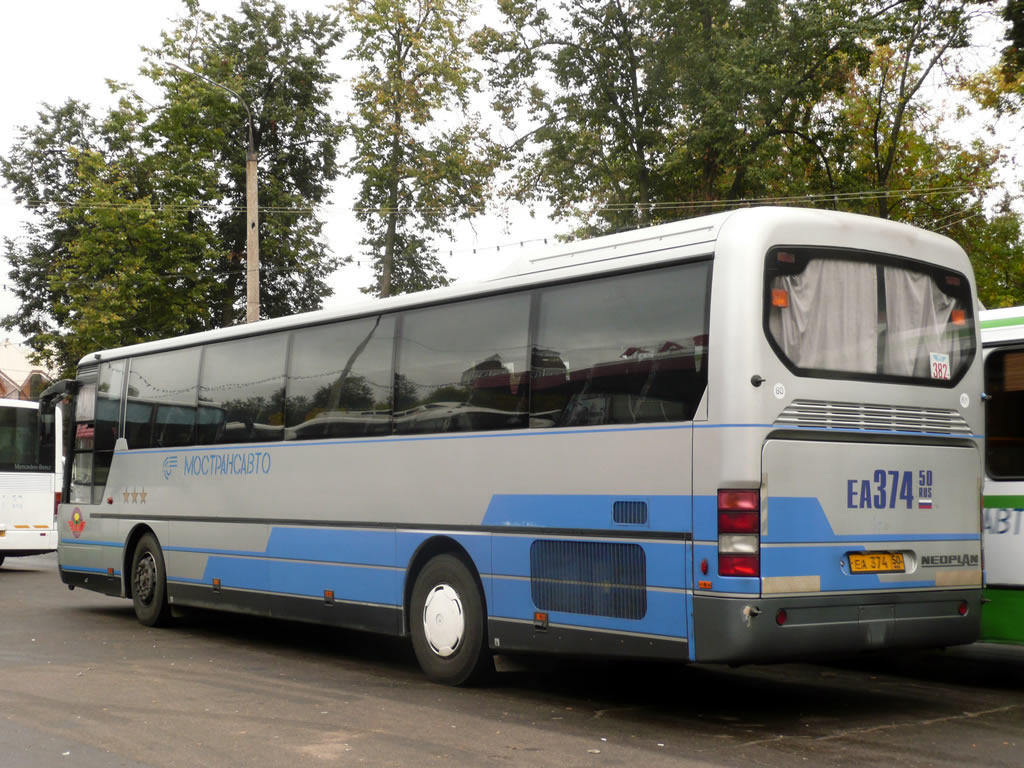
339, 380
406, 393
621, 350
457, 366
246, 378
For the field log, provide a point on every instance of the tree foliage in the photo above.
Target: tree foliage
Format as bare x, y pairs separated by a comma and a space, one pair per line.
139, 216
634, 111
422, 157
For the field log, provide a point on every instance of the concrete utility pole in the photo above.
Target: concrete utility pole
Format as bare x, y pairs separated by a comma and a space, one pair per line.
252, 209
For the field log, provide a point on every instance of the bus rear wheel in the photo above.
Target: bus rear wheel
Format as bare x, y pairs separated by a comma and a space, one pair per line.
448, 624
149, 583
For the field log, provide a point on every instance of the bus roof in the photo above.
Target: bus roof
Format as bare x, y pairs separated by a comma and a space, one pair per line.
687, 238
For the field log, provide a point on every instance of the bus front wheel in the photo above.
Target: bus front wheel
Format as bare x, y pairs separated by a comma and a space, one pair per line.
448, 624
149, 583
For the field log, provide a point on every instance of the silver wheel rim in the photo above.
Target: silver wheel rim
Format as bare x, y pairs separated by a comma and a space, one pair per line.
444, 623
145, 578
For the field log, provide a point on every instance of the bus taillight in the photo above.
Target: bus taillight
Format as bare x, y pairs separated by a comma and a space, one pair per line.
56, 505
739, 533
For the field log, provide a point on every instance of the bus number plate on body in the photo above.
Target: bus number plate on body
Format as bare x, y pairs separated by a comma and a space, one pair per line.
877, 562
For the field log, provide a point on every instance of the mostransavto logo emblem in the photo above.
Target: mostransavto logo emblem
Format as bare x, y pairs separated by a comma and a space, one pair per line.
170, 464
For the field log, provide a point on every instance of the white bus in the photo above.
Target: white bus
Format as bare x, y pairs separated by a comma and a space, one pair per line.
1002, 334
748, 437
30, 468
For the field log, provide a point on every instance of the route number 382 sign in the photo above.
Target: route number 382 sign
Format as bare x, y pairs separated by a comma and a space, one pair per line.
940, 365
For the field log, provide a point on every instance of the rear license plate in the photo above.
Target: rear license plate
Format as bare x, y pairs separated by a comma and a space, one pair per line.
877, 562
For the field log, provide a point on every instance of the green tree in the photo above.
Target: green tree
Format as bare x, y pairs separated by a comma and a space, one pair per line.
41, 172
632, 111
276, 60
138, 227
423, 159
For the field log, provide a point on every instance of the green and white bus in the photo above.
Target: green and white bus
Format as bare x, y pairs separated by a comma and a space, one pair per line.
753, 436
1002, 334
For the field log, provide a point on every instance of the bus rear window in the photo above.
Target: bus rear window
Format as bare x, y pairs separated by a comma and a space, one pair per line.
848, 314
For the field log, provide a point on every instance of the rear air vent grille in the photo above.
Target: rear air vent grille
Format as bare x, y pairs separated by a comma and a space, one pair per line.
818, 414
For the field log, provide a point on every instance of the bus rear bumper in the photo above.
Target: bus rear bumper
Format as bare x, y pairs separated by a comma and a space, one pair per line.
739, 630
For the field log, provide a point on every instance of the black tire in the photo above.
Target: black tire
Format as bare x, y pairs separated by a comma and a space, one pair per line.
149, 583
448, 625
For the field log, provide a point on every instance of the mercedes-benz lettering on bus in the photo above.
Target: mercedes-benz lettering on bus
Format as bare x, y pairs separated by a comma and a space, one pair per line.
1002, 334
30, 457
745, 437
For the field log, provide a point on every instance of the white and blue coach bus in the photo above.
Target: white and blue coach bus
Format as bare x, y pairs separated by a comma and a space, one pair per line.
748, 437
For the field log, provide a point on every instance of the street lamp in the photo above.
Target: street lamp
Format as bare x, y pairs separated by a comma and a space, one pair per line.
252, 239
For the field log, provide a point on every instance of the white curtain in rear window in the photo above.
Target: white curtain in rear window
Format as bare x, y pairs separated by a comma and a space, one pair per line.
831, 321
918, 315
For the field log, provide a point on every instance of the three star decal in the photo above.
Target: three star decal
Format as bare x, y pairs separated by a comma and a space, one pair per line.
134, 496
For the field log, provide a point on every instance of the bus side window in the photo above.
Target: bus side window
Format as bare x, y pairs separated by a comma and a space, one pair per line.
161, 408
621, 350
460, 366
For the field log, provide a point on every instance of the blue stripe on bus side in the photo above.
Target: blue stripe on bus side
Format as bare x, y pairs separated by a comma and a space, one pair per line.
794, 520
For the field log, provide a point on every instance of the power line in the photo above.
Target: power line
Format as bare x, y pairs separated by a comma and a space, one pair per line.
611, 207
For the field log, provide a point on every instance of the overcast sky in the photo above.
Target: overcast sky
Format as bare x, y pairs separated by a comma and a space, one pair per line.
52, 50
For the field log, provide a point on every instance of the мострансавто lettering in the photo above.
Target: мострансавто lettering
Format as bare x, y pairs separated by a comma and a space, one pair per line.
235, 463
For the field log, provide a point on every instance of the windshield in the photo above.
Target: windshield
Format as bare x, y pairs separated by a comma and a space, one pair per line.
848, 314
23, 447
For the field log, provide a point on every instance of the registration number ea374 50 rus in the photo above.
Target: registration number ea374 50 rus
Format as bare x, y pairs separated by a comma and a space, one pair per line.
877, 562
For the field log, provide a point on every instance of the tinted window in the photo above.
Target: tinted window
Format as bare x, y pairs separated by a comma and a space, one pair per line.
244, 379
160, 411
621, 350
19, 442
339, 380
462, 366
1004, 414
108, 404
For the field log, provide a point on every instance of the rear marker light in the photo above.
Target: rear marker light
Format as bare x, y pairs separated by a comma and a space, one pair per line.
963, 609
738, 565
739, 533
781, 616
785, 257
959, 317
780, 298
735, 501
739, 522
